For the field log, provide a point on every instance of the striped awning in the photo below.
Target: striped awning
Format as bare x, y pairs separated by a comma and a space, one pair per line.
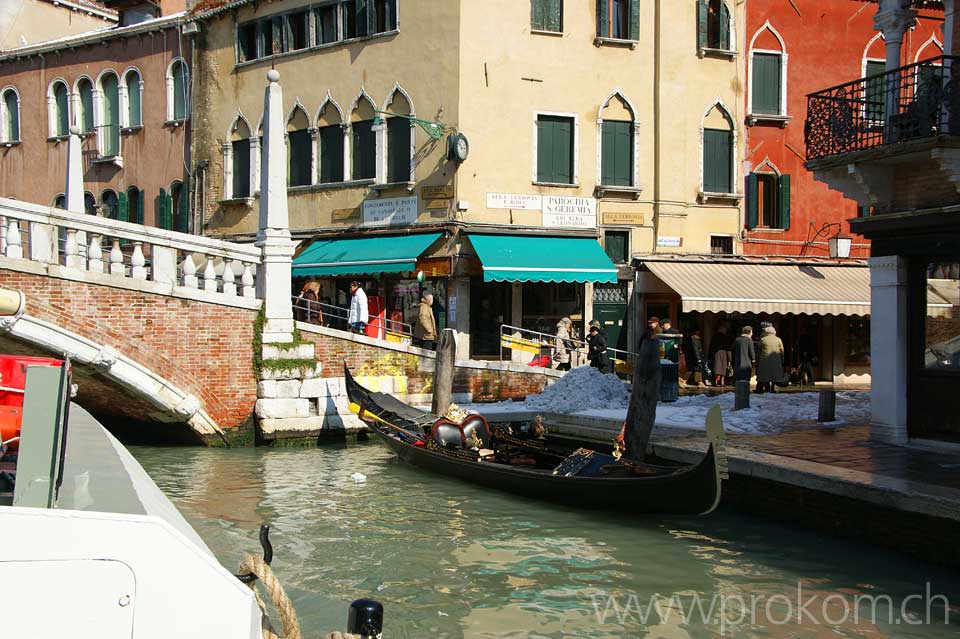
801, 289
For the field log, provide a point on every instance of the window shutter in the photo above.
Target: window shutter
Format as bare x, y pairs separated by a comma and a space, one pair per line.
724, 27
784, 195
702, 23
563, 151
616, 153
766, 83
123, 207
179, 91
161, 209
183, 220
133, 99
554, 15
717, 149
139, 218
634, 19
63, 112
603, 19
544, 151
753, 205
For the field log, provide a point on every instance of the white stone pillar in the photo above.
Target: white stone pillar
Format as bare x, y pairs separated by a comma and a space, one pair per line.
893, 19
274, 285
74, 187
888, 353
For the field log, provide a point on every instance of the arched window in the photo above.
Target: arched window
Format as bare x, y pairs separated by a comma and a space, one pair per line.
768, 74
9, 115
85, 105
617, 133
60, 202
133, 115
109, 134
135, 205
58, 107
89, 203
237, 160
299, 148
399, 137
718, 151
330, 134
768, 198
109, 204
363, 149
178, 103
874, 91
714, 27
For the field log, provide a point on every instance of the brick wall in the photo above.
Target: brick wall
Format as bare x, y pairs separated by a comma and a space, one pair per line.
205, 349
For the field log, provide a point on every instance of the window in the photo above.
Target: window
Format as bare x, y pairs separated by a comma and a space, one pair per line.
713, 25
85, 102
60, 202
768, 201
247, 42
386, 19
717, 161
364, 150
555, 149
941, 348
10, 116
616, 156
134, 95
617, 246
134, 205
109, 137
299, 149
326, 24
349, 12
398, 150
546, 15
874, 91
721, 245
178, 216
109, 204
177, 91
59, 102
330, 136
618, 19
296, 31
238, 184
766, 83
89, 203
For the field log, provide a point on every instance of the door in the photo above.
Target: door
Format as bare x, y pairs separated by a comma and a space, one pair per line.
610, 309
490, 307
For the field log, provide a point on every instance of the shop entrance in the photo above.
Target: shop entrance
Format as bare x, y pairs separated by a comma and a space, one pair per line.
491, 305
610, 309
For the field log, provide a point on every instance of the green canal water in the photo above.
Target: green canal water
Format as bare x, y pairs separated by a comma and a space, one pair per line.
451, 560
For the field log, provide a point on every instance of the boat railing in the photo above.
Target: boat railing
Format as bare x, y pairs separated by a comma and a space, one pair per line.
337, 317
525, 340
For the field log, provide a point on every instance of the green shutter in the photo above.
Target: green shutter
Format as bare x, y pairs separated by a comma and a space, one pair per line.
161, 208
634, 19
555, 150
331, 154
616, 153
753, 205
86, 107
111, 116
784, 203
544, 150
702, 27
717, 149
179, 91
123, 207
133, 99
724, 27
13, 115
139, 218
183, 219
63, 110
603, 19
875, 92
766, 83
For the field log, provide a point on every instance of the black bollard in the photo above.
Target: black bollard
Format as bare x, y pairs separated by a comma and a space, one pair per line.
828, 406
741, 396
365, 618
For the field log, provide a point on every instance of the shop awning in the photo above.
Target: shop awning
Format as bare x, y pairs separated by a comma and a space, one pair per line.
362, 255
810, 289
534, 258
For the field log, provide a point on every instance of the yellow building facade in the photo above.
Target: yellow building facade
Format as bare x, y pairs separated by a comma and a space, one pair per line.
610, 121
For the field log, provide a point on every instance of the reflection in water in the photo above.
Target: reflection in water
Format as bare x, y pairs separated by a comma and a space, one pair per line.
451, 560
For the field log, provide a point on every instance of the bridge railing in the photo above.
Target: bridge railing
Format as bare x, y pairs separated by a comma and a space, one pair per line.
126, 250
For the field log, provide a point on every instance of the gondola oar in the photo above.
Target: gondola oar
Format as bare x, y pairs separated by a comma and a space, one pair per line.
361, 411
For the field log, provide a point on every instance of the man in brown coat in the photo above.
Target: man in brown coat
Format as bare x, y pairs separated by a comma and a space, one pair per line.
425, 332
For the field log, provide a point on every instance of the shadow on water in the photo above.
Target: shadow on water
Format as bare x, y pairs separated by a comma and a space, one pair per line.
448, 559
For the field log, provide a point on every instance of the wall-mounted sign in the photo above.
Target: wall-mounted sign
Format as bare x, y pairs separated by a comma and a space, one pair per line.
513, 201
633, 219
667, 241
391, 211
339, 215
433, 192
573, 212
437, 204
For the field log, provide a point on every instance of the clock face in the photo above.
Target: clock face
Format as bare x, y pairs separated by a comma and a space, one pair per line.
461, 147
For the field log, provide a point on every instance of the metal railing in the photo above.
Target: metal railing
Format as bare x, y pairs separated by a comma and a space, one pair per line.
537, 343
915, 101
337, 317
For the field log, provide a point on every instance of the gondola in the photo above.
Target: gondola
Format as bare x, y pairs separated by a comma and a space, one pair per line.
585, 479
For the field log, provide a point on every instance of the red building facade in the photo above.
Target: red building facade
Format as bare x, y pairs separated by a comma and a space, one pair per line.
792, 51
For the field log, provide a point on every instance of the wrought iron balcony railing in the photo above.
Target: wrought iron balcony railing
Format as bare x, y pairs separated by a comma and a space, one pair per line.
915, 101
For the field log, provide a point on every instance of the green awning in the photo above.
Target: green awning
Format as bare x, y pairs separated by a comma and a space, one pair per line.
534, 258
362, 255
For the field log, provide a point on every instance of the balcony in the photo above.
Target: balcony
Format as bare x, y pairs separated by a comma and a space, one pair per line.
885, 139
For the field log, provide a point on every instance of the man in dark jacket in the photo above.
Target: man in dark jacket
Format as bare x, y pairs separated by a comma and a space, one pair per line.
597, 349
744, 355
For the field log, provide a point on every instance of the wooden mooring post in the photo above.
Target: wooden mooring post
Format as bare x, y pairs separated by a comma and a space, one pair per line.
443, 372
828, 406
741, 396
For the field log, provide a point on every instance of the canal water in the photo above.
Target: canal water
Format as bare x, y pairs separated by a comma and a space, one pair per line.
450, 560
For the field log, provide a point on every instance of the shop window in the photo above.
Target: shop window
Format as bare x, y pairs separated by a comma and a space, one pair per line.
874, 91
364, 150
617, 246
721, 245
546, 15
59, 110
713, 25
941, 348
134, 98
768, 201
85, 116
555, 149
767, 81
618, 19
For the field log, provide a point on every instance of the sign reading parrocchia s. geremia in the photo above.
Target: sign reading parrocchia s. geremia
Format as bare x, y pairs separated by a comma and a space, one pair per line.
391, 211
570, 212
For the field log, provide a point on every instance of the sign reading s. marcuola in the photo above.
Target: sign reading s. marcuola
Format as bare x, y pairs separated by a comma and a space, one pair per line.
575, 212
393, 211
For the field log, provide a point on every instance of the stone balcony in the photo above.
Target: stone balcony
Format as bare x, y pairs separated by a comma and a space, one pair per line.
890, 141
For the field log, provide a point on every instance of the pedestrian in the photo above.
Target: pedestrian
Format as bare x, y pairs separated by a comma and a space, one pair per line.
770, 366
308, 304
563, 344
359, 315
671, 349
721, 357
743, 355
425, 332
653, 326
597, 349
699, 372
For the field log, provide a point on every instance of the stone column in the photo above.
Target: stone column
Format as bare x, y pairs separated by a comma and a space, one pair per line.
888, 356
273, 239
74, 187
460, 288
893, 19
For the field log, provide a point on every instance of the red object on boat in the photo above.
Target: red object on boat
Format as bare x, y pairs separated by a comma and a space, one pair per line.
13, 378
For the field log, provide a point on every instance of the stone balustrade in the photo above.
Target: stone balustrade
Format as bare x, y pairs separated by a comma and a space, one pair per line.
126, 250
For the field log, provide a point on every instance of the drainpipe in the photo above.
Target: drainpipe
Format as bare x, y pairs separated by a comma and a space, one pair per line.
657, 177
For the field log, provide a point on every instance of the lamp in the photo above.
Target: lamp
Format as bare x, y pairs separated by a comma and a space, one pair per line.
840, 246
